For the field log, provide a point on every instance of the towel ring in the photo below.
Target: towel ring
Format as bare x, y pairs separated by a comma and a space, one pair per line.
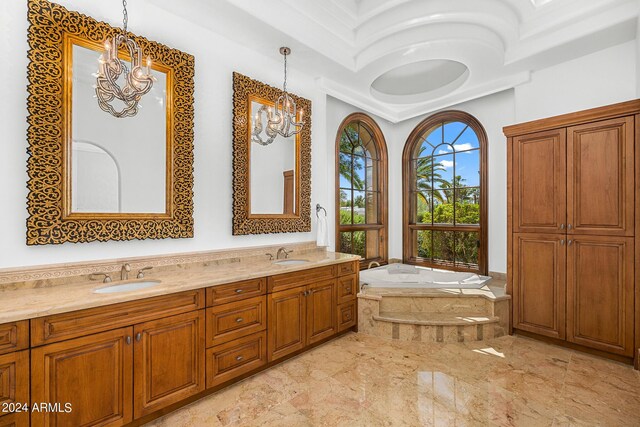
320, 208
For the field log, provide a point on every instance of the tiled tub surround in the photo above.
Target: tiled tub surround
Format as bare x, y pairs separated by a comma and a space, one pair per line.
42, 291
434, 315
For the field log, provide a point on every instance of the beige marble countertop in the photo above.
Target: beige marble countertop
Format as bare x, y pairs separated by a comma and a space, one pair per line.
30, 303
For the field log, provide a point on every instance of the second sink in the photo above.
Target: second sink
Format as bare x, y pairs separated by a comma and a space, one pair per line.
127, 287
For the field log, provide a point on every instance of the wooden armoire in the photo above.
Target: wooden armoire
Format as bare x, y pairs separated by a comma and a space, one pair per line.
573, 218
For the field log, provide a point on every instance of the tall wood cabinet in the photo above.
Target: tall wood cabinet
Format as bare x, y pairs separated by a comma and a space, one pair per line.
572, 201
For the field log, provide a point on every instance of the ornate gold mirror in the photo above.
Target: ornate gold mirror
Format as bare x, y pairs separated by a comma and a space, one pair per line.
94, 176
272, 174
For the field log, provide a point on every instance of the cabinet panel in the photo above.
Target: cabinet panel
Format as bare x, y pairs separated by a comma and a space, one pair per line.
299, 278
169, 361
347, 315
234, 320
93, 374
14, 336
232, 359
600, 183
287, 311
14, 386
539, 182
347, 288
321, 311
59, 327
223, 294
600, 291
539, 284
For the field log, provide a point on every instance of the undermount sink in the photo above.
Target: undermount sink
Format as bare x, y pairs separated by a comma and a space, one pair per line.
291, 261
127, 287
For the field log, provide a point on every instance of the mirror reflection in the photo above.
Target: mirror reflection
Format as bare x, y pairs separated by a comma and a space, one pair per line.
118, 165
273, 168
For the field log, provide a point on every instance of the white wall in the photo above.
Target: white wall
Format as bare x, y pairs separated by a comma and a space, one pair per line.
216, 59
594, 80
601, 78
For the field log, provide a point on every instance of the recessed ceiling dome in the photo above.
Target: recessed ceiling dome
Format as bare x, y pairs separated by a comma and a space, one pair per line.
420, 78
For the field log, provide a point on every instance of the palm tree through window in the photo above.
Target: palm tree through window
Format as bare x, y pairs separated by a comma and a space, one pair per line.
361, 181
445, 222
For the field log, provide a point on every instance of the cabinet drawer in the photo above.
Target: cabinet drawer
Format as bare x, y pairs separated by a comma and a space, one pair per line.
223, 294
347, 288
347, 315
60, 327
347, 268
235, 320
14, 336
230, 360
299, 278
14, 386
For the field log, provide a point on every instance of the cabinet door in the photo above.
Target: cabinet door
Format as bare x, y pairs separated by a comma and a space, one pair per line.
321, 311
93, 374
600, 181
168, 360
539, 285
286, 317
14, 386
539, 182
600, 273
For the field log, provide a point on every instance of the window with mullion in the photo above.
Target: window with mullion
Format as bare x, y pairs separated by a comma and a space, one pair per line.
444, 193
361, 188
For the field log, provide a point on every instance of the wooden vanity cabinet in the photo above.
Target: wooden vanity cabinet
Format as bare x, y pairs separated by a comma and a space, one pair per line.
302, 310
14, 372
94, 374
14, 387
168, 361
310, 306
236, 331
117, 375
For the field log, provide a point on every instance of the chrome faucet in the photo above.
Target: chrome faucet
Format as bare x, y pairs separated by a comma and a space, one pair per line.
284, 251
124, 271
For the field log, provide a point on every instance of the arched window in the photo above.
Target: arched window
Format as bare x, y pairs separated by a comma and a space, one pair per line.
361, 189
445, 193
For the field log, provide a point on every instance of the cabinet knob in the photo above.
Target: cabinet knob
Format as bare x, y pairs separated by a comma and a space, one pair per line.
561, 226
239, 320
348, 289
569, 227
570, 242
238, 291
562, 242
138, 337
128, 339
239, 358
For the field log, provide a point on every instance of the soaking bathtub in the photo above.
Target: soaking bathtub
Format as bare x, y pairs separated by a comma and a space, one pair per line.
409, 276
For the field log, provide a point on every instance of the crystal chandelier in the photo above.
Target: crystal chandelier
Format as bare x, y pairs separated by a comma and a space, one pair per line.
281, 120
136, 80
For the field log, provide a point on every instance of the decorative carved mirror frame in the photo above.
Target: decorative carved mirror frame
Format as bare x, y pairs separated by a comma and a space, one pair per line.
50, 220
246, 90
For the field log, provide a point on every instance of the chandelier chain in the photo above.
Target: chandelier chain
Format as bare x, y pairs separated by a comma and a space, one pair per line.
285, 74
125, 17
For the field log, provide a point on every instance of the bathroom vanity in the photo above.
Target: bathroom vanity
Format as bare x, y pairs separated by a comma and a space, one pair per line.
137, 355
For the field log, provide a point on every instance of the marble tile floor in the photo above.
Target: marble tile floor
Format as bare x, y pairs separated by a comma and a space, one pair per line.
360, 380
